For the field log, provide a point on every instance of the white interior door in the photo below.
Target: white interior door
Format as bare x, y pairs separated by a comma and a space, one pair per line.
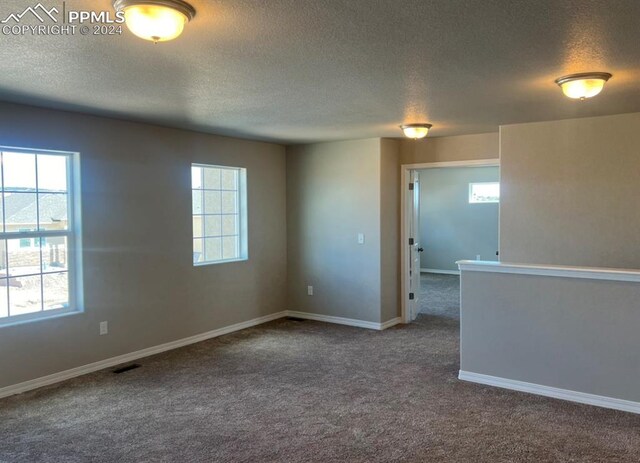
414, 245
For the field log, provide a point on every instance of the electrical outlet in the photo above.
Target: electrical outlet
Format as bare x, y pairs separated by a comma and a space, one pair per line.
360, 238
478, 257
104, 328
309, 290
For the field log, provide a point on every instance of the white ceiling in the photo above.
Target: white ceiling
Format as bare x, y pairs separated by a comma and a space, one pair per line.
309, 70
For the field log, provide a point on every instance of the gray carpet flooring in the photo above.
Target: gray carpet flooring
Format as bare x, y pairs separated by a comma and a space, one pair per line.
440, 295
305, 391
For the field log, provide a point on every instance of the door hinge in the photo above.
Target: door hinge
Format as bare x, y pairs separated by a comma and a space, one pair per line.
411, 296
411, 185
411, 241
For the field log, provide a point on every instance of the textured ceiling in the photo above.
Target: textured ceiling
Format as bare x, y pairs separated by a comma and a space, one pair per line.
308, 70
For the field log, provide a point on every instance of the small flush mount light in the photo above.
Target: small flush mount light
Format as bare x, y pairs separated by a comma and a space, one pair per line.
156, 20
583, 85
415, 131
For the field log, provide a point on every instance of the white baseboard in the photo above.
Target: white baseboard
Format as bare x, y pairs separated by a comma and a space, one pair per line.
443, 272
344, 321
390, 323
113, 361
548, 391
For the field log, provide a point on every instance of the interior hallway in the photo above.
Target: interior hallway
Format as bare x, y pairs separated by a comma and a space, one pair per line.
440, 295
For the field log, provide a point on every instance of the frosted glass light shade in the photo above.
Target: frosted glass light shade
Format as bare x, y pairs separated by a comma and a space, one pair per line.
415, 131
156, 20
583, 85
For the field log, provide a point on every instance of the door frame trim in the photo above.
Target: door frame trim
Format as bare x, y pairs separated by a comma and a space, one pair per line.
405, 170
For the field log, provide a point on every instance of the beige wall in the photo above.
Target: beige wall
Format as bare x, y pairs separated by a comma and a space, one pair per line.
137, 245
458, 148
333, 193
570, 192
390, 228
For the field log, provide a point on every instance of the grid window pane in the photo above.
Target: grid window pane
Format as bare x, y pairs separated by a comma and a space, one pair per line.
54, 254
197, 200
212, 225
4, 302
211, 178
229, 179
19, 171
52, 173
196, 177
229, 200
197, 226
25, 295
55, 290
23, 260
230, 247
21, 212
212, 249
229, 225
53, 211
217, 214
198, 251
212, 202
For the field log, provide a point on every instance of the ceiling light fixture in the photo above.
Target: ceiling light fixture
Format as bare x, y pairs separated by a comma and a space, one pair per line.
415, 131
156, 20
583, 85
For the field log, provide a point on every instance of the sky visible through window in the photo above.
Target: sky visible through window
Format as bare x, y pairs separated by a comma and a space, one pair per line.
20, 172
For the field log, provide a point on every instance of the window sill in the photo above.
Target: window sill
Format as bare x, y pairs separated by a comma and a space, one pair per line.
33, 318
204, 264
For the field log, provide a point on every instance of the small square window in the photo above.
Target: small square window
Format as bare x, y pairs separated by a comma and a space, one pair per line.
486, 192
219, 214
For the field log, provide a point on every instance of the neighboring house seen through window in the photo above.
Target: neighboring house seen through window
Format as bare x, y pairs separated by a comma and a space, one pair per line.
219, 214
38, 235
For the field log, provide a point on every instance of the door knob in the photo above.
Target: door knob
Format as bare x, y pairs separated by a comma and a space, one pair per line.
420, 249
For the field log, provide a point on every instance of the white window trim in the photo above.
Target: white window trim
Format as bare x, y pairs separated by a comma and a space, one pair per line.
243, 216
73, 235
472, 184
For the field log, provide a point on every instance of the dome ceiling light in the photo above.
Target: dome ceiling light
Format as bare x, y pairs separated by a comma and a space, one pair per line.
156, 20
583, 85
415, 131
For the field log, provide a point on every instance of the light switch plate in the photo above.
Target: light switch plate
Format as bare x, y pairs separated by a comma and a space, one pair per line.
360, 238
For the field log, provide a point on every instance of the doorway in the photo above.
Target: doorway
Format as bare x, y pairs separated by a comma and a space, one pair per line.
449, 213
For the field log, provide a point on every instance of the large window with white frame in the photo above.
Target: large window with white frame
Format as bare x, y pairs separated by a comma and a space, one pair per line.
38, 235
219, 214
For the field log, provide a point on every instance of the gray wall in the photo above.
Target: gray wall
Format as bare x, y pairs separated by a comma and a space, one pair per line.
570, 192
457, 148
138, 271
390, 228
568, 333
333, 193
451, 229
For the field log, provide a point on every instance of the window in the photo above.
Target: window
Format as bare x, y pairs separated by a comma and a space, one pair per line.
38, 235
487, 192
219, 214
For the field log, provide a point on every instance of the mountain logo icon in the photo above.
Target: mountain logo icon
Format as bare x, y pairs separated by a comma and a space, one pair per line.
39, 11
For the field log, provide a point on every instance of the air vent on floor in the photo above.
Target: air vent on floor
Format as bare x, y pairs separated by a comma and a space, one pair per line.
296, 319
126, 368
